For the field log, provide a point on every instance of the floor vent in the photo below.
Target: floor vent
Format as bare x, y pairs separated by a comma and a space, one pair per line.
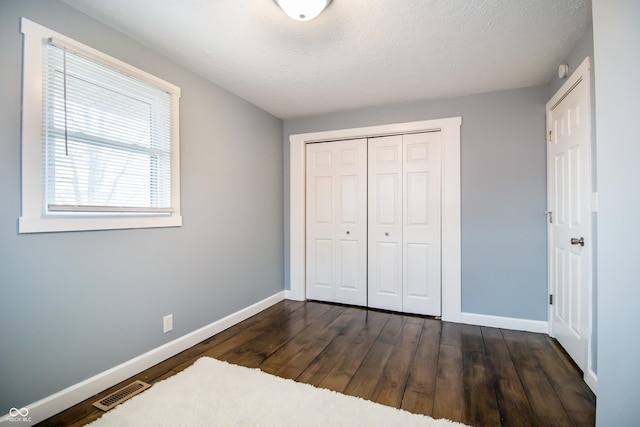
121, 395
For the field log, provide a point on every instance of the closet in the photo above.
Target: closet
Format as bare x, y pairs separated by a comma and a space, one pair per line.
373, 222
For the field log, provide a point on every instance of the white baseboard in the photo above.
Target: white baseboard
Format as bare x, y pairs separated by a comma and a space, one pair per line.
505, 322
51, 405
591, 379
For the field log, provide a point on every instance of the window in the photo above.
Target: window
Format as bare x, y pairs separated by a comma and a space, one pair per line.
100, 145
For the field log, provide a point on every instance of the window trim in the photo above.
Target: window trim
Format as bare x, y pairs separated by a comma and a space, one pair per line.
34, 217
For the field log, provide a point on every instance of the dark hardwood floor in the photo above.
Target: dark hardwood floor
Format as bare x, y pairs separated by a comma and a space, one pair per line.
476, 375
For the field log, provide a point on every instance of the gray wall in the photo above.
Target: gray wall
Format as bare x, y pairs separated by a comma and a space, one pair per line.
503, 168
616, 35
76, 304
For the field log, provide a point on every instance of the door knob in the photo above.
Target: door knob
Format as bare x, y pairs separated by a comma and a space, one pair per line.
576, 241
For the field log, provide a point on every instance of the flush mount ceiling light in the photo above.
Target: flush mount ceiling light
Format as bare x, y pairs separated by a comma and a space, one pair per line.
302, 10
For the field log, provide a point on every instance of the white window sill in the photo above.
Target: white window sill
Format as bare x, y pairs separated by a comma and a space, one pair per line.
89, 223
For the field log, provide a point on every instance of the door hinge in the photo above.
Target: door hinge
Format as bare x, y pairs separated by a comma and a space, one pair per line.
550, 136
550, 216
550, 299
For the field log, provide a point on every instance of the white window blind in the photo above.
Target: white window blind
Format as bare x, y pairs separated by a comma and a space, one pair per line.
107, 138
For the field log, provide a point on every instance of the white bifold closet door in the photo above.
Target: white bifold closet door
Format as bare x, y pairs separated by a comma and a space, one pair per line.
336, 240
404, 233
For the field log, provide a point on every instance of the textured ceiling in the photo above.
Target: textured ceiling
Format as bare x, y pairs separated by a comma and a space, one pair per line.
357, 53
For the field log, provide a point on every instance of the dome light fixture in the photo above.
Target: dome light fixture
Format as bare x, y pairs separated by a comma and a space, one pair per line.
302, 10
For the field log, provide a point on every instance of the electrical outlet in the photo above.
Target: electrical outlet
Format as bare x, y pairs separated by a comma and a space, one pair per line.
167, 323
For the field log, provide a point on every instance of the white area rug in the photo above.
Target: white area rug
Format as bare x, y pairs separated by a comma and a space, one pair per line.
215, 393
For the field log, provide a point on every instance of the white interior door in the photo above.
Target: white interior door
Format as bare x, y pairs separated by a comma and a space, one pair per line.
421, 263
337, 222
385, 223
569, 170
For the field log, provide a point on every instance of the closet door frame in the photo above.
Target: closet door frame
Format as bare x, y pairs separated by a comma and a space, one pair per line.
451, 229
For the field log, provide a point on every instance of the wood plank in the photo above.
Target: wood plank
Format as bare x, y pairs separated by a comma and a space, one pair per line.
545, 403
267, 341
479, 382
582, 418
226, 343
576, 397
471, 339
564, 356
339, 377
449, 395
512, 400
451, 334
285, 356
421, 383
352, 341
279, 321
513, 403
494, 344
366, 378
301, 361
392, 383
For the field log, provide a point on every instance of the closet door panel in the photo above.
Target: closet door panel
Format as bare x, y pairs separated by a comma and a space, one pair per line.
421, 223
385, 223
351, 222
337, 221
320, 223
